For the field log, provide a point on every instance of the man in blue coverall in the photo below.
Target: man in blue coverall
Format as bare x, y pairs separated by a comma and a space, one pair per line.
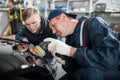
90, 51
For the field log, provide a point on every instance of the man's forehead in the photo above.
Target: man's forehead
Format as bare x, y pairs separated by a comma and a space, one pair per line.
34, 15
51, 22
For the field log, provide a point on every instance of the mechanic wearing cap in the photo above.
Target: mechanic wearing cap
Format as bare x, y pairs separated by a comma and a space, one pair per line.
91, 49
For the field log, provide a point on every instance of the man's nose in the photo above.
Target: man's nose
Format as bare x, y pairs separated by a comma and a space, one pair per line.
31, 26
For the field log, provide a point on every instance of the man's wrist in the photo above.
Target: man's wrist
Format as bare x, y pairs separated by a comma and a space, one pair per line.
72, 51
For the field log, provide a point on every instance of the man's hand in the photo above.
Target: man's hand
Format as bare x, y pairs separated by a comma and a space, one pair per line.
22, 47
56, 46
58, 49
25, 39
44, 46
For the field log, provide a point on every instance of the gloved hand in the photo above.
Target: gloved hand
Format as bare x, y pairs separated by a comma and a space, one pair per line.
56, 46
44, 46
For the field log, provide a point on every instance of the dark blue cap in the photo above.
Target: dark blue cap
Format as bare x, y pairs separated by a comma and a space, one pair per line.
57, 12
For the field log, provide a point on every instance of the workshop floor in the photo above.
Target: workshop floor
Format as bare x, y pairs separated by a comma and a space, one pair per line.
7, 49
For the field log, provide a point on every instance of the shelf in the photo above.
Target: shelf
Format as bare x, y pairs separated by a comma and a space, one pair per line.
105, 12
112, 14
77, 0
72, 6
4, 9
70, 0
78, 11
87, 8
60, 0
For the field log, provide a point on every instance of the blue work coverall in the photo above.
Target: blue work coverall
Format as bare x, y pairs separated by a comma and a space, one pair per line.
97, 55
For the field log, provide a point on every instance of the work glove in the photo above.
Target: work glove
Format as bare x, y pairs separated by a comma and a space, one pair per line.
44, 46
57, 46
39, 50
58, 49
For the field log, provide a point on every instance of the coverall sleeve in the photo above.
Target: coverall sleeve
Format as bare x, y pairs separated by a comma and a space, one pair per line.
19, 36
104, 51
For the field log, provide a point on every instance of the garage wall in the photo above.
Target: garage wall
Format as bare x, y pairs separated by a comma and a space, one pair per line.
111, 5
3, 20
